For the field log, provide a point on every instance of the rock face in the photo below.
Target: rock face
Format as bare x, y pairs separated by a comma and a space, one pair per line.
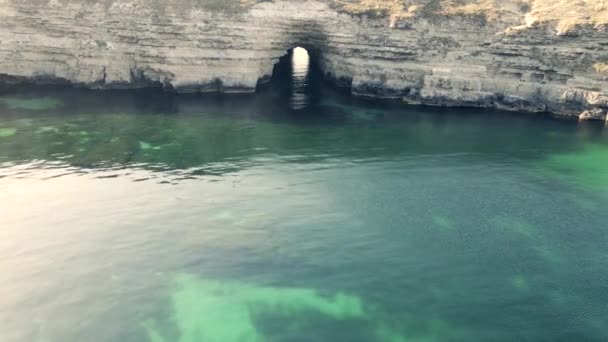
426, 57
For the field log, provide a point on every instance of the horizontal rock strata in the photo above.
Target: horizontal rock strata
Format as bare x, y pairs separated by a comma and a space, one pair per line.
430, 58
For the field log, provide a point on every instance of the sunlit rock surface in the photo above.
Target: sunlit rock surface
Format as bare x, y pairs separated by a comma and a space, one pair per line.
517, 55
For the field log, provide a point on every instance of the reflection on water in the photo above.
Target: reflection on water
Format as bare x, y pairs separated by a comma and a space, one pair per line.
300, 63
141, 216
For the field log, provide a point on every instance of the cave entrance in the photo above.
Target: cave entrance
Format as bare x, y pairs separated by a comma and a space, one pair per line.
297, 77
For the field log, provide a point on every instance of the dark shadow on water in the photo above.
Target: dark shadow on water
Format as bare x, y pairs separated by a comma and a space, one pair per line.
293, 115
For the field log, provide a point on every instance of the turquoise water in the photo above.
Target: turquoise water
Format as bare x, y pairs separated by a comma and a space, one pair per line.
141, 216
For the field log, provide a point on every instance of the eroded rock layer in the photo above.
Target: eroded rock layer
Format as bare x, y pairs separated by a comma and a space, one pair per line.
507, 60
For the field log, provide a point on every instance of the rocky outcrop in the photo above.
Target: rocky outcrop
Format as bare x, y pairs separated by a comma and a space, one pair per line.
426, 54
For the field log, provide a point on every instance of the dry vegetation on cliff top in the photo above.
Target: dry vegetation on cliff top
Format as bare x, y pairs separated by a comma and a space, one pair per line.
570, 13
567, 13
602, 68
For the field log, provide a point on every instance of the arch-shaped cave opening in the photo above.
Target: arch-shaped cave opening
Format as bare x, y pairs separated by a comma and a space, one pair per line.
297, 78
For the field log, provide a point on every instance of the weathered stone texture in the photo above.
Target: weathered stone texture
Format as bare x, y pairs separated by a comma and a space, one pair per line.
456, 60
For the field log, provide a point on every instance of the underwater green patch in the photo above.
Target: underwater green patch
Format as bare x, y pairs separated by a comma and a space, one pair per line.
586, 168
47, 129
147, 146
7, 132
514, 225
444, 223
519, 282
37, 104
144, 145
213, 311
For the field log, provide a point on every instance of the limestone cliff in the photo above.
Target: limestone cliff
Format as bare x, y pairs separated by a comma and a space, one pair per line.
524, 55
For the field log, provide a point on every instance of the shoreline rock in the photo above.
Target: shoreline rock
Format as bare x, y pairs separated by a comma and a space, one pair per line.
426, 58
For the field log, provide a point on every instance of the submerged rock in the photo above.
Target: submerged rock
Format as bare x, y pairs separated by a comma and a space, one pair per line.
216, 311
147, 146
7, 132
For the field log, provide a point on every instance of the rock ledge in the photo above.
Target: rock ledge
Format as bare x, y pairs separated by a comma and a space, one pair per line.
510, 60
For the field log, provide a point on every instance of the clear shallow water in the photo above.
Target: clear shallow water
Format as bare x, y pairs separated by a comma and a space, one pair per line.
138, 216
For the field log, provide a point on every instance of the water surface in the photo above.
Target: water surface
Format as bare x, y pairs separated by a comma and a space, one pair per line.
141, 216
